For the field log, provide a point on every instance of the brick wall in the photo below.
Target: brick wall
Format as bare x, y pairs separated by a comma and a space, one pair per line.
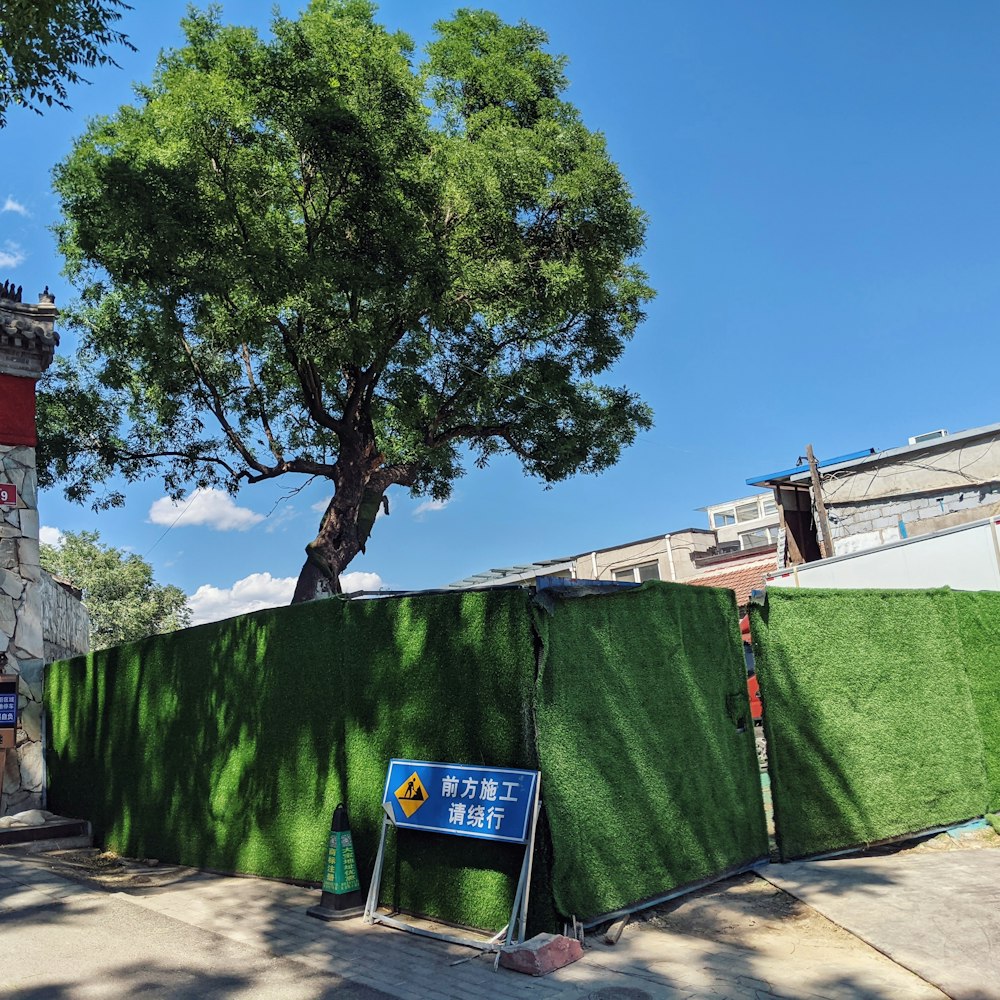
857, 526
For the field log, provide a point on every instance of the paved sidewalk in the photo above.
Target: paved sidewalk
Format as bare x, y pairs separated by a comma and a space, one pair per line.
937, 914
212, 936
63, 941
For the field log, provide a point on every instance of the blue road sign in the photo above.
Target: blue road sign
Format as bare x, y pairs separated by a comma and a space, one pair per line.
490, 803
8, 710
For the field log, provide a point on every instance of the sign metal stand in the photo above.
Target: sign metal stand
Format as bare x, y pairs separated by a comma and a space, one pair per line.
515, 929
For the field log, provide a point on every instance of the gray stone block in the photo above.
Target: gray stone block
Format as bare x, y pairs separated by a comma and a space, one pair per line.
29, 523
8, 621
31, 721
28, 634
11, 585
27, 553
31, 762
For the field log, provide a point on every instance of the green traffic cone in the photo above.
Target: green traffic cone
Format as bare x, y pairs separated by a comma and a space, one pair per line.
341, 897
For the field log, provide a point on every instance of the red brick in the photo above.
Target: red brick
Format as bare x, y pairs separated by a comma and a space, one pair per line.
542, 954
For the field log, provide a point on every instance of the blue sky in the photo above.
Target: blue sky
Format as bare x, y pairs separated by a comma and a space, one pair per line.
822, 188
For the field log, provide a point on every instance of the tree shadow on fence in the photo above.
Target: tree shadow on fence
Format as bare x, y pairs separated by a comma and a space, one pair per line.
646, 745
227, 746
871, 729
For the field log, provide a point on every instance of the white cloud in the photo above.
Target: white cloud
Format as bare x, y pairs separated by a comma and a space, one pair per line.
50, 536
428, 507
253, 593
210, 507
350, 583
10, 205
11, 255
259, 591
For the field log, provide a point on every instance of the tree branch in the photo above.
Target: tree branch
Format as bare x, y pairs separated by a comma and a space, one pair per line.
308, 381
468, 431
303, 465
255, 389
152, 456
218, 409
400, 474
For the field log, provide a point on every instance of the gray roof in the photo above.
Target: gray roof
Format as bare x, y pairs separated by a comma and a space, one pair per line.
857, 459
513, 574
889, 454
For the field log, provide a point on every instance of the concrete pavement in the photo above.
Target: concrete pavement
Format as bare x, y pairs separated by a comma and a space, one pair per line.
62, 940
937, 914
211, 936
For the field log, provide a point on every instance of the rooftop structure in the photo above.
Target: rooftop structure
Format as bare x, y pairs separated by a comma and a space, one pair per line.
869, 498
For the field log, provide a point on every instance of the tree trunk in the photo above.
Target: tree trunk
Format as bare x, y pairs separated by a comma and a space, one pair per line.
343, 533
313, 582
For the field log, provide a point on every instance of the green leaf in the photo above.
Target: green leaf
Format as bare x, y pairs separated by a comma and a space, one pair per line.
304, 254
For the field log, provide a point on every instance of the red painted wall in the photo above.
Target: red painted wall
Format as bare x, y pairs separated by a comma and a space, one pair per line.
17, 410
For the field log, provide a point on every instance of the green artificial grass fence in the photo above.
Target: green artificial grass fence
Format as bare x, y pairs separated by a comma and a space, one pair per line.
453, 683
216, 746
646, 744
227, 746
978, 625
871, 722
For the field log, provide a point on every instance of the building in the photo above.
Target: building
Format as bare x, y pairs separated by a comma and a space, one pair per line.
746, 530
736, 550
868, 498
741, 572
38, 618
748, 523
659, 557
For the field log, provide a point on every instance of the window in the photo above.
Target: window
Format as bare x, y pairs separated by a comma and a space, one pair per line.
750, 509
767, 535
638, 574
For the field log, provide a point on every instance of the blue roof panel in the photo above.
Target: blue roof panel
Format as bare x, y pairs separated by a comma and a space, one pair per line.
771, 477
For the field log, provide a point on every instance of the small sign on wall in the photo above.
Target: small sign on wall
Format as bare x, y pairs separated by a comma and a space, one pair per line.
8, 495
8, 712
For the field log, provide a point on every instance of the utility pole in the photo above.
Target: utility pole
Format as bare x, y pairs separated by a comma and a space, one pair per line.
825, 542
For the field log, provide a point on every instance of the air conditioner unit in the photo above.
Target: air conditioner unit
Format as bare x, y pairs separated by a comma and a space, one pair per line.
929, 436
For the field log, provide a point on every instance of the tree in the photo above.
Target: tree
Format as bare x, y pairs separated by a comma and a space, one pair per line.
124, 601
43, 42
310, 256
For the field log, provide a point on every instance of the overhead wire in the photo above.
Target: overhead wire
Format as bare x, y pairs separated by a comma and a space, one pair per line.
185, 509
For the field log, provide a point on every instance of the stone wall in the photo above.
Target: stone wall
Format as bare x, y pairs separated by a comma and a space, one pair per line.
28, 340
65, 622
22, 649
